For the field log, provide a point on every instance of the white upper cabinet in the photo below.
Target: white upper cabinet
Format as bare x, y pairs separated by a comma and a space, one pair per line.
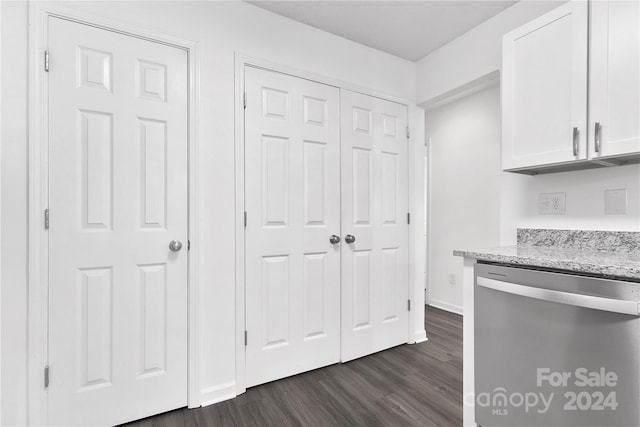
544, 89
614, 101
553, 118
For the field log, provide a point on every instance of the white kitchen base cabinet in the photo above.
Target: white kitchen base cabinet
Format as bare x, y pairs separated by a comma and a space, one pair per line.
562, 111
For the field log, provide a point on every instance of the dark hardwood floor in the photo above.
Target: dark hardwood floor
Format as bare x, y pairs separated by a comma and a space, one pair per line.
409, 385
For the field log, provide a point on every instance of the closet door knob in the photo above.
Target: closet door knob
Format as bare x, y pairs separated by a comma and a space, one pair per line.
349, 238
334, 239
175, 245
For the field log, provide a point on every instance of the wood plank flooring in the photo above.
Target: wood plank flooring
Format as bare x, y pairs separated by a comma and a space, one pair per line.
409, 385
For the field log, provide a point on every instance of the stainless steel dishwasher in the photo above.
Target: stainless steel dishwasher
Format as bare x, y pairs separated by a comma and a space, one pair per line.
555, 349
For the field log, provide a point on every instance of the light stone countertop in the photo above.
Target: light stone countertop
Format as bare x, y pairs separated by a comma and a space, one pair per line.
604, 263
602, 253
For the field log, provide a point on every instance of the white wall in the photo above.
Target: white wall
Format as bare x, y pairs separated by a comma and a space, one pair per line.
464, 187
14, 212
222, 28
584, 200
474, 54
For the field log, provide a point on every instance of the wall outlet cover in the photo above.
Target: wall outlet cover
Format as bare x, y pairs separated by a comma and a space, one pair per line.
552, 203
615, 202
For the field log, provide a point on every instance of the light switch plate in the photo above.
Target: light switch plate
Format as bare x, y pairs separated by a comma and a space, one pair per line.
615, 202
551, 203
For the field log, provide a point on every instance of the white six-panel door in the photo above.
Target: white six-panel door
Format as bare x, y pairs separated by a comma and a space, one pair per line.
118, 196
292, 199
375, 267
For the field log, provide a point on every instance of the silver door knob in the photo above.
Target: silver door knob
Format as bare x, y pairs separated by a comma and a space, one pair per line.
175, 245
334, 239
349, 238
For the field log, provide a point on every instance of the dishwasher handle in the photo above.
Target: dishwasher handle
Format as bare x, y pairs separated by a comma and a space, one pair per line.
578, 300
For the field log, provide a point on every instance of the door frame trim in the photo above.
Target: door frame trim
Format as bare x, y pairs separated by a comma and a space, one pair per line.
38, 241
416, 332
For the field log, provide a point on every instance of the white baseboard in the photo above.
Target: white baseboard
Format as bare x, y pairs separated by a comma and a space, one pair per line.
420, 336
218, 393
451, 308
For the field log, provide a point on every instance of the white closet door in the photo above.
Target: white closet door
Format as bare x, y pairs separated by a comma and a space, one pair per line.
117, 197
614, 102
292, 198
375, 268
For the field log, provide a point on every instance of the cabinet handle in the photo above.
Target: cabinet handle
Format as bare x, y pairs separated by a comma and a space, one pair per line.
597, 136
576, 138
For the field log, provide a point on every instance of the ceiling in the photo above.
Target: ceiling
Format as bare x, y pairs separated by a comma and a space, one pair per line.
408, 29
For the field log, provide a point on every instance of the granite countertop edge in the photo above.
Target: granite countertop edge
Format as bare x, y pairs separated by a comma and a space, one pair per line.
602, 263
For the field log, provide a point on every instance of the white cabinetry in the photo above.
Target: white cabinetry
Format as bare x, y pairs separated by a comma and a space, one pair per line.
544, 89
561, 110
614, 60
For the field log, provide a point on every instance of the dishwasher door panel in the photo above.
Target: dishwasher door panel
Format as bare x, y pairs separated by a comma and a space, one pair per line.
541, 363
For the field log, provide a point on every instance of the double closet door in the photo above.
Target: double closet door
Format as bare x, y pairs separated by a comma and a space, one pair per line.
326, 198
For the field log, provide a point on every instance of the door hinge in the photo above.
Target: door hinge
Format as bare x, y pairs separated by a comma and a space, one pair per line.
245, 338
408, 133
46, 219
244, 100
245, 219
408, 218
46, 61
46, 376
188, 245
408, 305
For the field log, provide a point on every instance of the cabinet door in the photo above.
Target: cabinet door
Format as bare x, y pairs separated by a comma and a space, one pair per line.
544, 89
614, 104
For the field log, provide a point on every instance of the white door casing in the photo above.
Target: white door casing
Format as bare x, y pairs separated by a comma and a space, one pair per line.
375, 268
614, 78
292, 200
117, 196
544, 89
